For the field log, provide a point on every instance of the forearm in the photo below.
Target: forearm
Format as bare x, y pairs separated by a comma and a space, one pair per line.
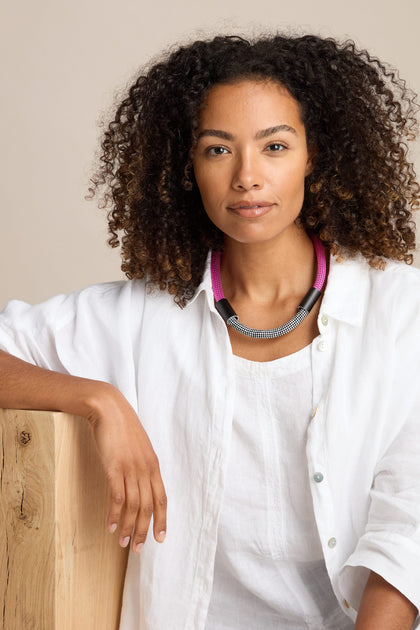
25, 386
129, 461
383, 607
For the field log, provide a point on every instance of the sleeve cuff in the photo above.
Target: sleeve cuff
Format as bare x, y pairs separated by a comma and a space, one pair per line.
390, 555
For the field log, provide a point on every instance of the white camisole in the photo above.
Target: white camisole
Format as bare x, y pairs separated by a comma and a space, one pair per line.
269, 569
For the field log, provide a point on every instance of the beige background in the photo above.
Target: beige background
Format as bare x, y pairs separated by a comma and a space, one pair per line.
62, 63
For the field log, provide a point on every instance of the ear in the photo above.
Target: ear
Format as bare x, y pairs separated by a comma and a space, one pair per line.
312, 151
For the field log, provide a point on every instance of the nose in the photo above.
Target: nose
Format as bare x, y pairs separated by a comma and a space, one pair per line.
247, 174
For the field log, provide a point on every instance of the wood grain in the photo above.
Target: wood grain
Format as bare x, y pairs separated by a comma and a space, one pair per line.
59, 567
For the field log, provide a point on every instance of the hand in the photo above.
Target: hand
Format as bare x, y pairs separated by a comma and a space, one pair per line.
131, 466
129, 460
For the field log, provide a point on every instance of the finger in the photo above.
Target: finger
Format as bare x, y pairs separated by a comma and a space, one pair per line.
144, 515
160, 504
116, 502
131, 508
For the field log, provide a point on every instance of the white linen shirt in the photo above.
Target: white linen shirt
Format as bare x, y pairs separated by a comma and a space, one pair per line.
176, 368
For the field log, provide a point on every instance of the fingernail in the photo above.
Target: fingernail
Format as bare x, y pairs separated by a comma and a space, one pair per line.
138, 548
112, 528
161, 536
125, 541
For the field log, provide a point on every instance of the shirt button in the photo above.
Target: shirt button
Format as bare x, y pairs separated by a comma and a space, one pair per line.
318, 477
322, 346
324, 320
314, 412
332, 543
346, 604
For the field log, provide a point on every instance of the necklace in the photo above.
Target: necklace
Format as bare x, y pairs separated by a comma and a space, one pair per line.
304, 308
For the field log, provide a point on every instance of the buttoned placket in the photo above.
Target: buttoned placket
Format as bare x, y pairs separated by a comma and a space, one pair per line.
317, 456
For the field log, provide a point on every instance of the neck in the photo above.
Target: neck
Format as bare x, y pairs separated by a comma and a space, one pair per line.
267, 272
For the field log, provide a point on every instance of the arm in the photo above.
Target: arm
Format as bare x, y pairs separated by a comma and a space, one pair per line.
383, 607
129, 461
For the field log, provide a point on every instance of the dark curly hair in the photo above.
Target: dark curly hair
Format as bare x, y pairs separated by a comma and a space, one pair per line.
356, 111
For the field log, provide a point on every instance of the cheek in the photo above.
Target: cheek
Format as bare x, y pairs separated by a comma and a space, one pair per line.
209, 184
292, 180
205, 193
200, 180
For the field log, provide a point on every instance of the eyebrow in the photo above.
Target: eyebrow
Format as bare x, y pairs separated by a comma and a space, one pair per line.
264, 133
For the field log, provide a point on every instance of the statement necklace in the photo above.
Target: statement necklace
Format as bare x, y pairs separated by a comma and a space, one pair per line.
304, 308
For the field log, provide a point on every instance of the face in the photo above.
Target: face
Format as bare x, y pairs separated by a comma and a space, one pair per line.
251, 160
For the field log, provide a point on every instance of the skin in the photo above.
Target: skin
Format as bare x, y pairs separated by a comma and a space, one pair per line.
383, 607
252, 148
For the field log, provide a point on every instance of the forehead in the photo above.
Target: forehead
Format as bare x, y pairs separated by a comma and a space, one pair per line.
250, 102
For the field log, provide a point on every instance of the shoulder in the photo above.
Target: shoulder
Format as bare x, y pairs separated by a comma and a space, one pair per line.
396, 278
396, 275
393, 273
394, 292
387, 298
96, 301
88, 332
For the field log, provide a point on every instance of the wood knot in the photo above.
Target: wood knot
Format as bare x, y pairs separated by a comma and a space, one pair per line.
25, 437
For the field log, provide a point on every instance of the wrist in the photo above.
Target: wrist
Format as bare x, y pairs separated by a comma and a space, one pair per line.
94, 397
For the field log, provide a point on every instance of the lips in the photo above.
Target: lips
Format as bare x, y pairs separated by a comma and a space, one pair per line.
251, 208
253, 203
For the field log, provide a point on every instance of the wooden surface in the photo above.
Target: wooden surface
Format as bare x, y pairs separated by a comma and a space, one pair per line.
59, 567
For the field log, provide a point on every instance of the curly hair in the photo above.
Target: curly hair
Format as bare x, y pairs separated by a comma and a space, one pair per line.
356, 111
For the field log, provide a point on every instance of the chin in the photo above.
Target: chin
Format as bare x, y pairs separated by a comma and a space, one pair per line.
251, 240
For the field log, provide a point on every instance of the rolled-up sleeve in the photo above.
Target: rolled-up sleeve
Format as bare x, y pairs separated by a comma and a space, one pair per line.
390, 545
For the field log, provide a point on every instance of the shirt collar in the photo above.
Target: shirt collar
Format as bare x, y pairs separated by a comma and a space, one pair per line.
205, 286
345, 293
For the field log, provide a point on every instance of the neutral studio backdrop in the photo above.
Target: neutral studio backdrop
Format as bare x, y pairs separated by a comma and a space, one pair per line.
63, 63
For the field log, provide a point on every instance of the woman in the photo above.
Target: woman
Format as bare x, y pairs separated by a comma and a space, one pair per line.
285, 437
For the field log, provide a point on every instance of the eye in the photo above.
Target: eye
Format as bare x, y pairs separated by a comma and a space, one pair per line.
276, 147
218, 150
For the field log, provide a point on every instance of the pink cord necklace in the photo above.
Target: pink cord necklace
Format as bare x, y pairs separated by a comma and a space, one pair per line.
304, 308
